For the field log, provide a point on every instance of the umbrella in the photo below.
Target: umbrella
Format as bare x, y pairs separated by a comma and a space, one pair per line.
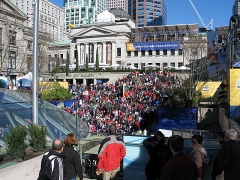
3, 81
183, 68
169, 67
151, 66
116, 65
131, 67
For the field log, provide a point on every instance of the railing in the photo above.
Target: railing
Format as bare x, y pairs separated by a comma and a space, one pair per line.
136, 159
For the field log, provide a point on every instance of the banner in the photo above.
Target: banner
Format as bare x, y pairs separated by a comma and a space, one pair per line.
155, 45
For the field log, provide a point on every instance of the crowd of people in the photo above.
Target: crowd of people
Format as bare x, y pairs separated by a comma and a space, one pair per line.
167, 159
130, 102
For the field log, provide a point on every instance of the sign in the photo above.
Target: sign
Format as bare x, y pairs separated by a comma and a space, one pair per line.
206, 88
237, 83
157, 45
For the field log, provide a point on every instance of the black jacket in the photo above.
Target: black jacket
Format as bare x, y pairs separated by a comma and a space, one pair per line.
72, 162
58, 172
228, 160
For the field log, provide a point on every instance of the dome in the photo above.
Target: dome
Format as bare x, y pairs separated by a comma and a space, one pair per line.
118, 12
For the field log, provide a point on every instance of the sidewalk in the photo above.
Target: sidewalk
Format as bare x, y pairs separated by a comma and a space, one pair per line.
27, 170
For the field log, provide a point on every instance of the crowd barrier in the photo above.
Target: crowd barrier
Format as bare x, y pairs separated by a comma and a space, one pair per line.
136, 159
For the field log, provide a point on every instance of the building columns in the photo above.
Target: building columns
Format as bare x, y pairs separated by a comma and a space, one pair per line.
95, 52
104, 52
113, 52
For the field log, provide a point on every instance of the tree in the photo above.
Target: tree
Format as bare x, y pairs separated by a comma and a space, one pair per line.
195, 53
77, 61
97, 61
56, 93
67, 64
57, 67
87, 69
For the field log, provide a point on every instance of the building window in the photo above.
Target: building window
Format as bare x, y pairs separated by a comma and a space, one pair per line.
135, 53
157, 52
180, 64
119, 52
172, 64
129, 53
172, 52
135, 65
11, 60
150, 52
180, 52
165, 52
143, 53
12, 38
164, 65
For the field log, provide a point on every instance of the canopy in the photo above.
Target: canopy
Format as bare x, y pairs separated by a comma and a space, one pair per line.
3, 81
131, 67
26, 76
151, 66
182, 68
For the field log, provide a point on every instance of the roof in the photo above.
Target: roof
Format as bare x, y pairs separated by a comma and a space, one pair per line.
58, 43
118, 12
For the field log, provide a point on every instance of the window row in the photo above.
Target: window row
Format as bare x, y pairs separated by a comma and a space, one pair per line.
171, 52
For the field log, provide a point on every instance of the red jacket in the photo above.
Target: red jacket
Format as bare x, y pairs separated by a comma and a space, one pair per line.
111, 152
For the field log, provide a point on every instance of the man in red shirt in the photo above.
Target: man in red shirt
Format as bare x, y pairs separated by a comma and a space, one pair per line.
111, 152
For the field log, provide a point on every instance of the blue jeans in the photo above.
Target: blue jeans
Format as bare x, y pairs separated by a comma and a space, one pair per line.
73, 179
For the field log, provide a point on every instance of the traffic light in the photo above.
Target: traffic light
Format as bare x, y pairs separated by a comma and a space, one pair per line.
223, 89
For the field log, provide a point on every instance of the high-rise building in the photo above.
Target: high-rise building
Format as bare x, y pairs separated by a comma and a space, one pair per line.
80, 12
123, 4
236, 7
51, 17
148, 12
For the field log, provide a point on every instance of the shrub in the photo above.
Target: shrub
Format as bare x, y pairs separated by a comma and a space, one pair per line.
14, 140
37, 137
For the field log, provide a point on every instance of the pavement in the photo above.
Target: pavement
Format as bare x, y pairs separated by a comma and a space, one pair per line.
27, 170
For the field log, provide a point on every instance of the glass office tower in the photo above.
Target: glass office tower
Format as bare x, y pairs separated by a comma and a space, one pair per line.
148, 12
78, 12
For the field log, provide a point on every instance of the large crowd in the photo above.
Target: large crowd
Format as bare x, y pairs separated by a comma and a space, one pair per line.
129, 103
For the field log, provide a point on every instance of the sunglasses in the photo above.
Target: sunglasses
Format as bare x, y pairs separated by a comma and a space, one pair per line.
193, 142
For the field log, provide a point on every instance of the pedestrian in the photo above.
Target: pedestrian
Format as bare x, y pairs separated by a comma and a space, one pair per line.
165, 155
180, 166
110, 154
72, 160
199, 154
228, 158
153, 145
52, 166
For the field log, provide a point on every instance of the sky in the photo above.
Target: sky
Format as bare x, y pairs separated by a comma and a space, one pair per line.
181, 11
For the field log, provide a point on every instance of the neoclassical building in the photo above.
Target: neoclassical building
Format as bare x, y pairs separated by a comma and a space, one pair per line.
116, 40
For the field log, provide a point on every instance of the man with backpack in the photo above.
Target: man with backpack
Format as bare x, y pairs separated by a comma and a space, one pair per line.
52, 167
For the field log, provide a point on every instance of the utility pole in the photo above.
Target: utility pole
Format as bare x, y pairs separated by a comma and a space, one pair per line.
35, 64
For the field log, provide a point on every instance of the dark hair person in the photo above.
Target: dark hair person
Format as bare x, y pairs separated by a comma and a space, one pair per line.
199, 154
72, 160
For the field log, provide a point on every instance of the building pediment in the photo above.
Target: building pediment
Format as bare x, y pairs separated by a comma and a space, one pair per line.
7, 8
93, 32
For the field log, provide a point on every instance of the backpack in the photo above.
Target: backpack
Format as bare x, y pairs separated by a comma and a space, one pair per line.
46, 173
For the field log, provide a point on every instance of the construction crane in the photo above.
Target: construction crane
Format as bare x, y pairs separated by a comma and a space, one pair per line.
195, 9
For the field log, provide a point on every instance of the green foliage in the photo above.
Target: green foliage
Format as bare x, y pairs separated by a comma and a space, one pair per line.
14, 140
67, 64
87, 69
57, 68
77, 63
37, 137
97, 61
57, 93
